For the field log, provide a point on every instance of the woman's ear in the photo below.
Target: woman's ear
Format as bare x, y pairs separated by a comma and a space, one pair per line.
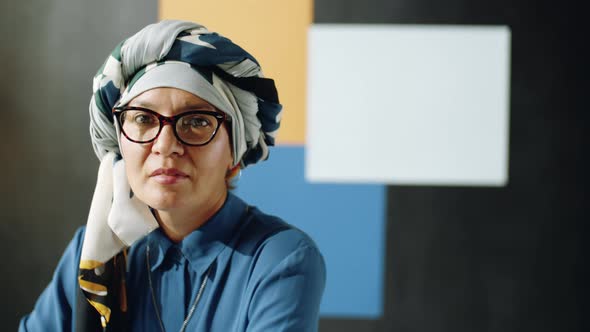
232, 171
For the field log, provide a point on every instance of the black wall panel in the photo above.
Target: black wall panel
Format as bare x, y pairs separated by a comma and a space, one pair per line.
496, 259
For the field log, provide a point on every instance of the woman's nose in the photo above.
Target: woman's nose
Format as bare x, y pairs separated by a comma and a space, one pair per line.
166, 143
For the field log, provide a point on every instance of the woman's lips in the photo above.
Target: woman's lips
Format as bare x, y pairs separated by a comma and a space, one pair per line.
168, 175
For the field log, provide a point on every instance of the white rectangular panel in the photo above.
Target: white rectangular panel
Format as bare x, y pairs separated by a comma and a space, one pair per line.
408, 104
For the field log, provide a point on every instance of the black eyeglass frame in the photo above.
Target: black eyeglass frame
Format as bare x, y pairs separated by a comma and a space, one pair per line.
172, 120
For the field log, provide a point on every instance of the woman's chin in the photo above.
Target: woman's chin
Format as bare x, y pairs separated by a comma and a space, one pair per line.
164, 201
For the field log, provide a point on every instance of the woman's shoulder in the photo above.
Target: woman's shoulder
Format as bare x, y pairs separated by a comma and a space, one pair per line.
78, 238
273, 240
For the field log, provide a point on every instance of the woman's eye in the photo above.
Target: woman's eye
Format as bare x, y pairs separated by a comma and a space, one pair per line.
143, 119
197, 122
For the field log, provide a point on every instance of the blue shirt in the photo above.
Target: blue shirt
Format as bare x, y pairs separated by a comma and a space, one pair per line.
265, 275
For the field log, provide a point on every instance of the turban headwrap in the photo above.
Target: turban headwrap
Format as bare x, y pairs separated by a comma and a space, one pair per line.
230, 79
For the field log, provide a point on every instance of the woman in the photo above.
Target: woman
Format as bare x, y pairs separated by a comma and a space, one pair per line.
176, 112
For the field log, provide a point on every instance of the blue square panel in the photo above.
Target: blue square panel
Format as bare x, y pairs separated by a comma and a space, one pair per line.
346, 221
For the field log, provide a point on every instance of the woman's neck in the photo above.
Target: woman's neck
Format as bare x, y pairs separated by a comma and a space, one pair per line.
178, 223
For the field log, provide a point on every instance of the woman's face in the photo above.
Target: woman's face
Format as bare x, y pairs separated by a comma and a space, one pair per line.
166, 174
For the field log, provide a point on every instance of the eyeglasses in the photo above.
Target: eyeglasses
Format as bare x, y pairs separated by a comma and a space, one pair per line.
194, 128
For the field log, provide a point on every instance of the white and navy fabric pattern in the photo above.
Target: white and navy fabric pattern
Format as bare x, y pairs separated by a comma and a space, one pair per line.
116, 220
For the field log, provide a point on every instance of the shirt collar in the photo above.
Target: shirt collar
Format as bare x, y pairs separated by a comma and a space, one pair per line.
204, 244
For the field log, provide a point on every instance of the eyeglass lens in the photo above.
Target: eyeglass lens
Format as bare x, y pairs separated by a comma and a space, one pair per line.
193, 128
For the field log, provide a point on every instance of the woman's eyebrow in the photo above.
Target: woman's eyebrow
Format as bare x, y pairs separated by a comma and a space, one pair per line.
189, 107
198, 106
140, 103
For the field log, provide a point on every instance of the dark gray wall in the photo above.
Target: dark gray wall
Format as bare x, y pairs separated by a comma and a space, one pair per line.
49, 52
489, 259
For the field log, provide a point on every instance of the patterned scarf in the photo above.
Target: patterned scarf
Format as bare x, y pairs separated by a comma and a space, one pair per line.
117, 218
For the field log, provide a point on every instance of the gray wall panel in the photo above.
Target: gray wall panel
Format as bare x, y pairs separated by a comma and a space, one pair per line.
50, 51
